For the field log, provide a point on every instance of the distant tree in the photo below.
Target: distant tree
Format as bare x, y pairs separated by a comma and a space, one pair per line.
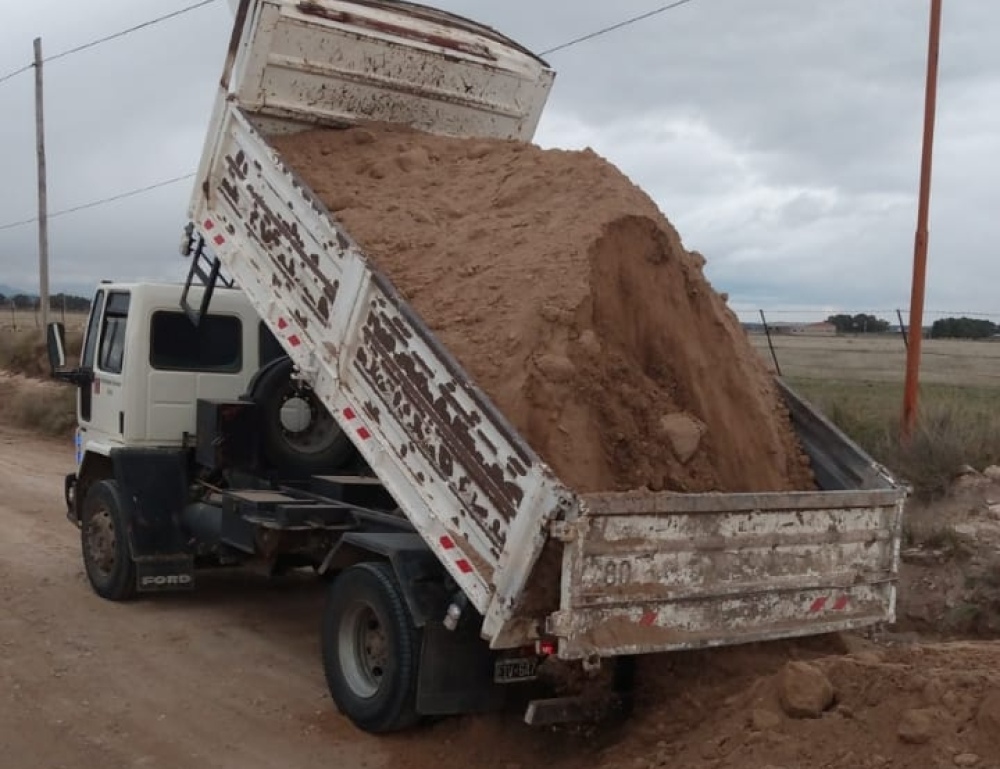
858, 324
71, 303
24, 301
963, 328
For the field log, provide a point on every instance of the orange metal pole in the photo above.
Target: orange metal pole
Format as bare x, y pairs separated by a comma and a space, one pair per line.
918, 291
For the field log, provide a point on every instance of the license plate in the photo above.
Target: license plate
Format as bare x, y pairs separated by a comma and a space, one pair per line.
513, 669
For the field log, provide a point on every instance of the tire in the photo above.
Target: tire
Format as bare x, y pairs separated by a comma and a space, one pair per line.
317, 448
104, 541
371, 649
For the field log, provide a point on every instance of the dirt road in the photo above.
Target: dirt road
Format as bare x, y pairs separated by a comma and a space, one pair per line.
226, 676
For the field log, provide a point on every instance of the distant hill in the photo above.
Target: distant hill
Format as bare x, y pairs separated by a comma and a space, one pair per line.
10, 290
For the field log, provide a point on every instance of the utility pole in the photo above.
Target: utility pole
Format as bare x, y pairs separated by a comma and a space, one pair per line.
918, 291
43, 203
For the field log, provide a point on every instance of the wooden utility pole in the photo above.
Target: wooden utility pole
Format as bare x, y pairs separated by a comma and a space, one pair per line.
918, 291
43, 203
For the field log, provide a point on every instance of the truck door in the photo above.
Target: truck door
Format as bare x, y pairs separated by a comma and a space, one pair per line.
85, 399
102, 414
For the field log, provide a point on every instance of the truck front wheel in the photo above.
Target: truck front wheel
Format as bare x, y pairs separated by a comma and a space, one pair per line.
371, 649
103, 536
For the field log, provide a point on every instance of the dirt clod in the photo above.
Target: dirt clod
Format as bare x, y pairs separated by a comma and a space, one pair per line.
763, 720
804, 690
684, 433
988, 715
916, 727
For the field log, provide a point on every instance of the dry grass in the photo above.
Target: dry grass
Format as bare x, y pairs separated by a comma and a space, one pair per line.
958, 426
24, 352
858, 382
42, 407
882, 358
28, 321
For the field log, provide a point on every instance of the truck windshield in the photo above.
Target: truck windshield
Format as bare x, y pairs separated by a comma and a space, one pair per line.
215, 345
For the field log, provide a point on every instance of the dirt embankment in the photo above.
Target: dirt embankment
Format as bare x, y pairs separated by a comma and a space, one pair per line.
571, 301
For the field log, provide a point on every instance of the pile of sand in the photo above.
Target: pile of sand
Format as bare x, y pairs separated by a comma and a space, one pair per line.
569, 298
908, 707
917, 707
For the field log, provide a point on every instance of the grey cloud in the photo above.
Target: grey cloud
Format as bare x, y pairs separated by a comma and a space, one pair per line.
782, 137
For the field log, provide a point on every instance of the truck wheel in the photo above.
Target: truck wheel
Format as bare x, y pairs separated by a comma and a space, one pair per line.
371, 649
103, 535
298, 434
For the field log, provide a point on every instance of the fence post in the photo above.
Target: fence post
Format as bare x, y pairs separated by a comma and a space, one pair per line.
902, 330
770, 344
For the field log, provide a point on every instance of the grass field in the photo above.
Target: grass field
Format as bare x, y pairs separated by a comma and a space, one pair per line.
858, 383
28, 321
883, 359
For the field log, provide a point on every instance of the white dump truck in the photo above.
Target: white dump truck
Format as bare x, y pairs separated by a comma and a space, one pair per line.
286, 408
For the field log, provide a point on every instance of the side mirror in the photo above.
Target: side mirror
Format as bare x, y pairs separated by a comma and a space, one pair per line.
55, 338
56, 341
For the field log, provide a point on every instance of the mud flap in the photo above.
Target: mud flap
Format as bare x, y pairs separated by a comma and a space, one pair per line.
161, 574
154, 488
456, 674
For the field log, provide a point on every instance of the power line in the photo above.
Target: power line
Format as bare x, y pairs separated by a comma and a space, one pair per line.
615, 27
113, 36
101, 202
16, 72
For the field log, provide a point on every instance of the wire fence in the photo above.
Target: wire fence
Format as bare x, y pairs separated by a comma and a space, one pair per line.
961, 354
26, 315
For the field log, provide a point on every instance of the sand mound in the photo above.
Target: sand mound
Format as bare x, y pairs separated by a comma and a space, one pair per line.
571, 301
908, 707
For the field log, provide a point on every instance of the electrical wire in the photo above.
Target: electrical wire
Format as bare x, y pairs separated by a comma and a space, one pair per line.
616, 27
195, 6
16, 72
113, 36
101, 202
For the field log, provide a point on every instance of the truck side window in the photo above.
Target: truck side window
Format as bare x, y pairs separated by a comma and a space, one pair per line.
93, 327
268, 347
213, 346
113, 333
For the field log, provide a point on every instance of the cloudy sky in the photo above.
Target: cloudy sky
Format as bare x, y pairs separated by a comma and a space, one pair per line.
782, 137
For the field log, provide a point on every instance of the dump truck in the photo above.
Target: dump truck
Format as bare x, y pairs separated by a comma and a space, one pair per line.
285, 408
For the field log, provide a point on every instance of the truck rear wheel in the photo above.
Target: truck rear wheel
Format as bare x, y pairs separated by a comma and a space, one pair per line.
371, 649
106, 555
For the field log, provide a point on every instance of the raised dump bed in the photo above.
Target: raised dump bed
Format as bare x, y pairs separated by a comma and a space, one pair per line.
623, 573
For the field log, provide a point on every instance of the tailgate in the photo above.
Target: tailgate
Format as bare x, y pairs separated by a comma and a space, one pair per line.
331, 62
657, 572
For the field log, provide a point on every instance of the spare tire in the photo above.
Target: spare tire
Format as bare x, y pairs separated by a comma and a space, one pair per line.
297, 434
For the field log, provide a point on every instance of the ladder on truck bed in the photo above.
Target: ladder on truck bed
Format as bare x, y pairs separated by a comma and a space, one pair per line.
206, 270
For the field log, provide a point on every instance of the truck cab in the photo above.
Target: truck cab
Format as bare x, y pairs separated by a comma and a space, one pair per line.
150, 364
145, 366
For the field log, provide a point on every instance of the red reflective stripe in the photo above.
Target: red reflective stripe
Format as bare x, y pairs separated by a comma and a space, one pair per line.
447, 543
363, 433
841, 603
209, 224
463, 566
282, 324
294, 341
649, 619
818, 605
349, 414
219, 240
